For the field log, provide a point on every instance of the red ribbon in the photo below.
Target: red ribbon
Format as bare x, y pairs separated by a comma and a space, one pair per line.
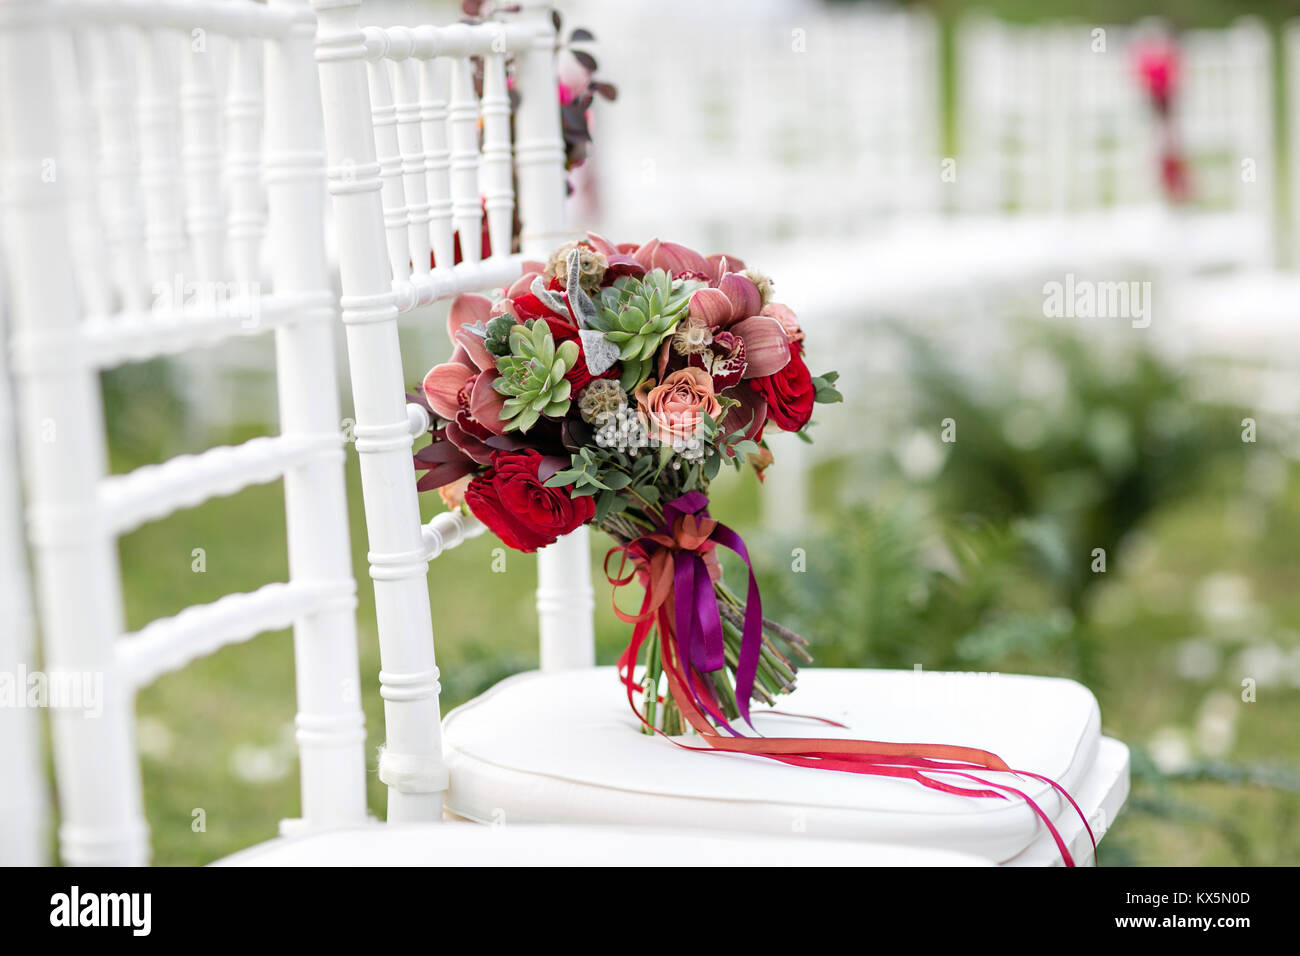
687, 540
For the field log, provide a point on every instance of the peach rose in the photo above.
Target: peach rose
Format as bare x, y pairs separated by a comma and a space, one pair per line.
676, 406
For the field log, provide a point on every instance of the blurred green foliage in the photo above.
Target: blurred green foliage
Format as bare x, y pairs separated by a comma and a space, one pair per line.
1082, 462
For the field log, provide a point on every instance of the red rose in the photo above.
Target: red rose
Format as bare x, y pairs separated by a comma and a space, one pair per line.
529, 306
789, 392
512, 501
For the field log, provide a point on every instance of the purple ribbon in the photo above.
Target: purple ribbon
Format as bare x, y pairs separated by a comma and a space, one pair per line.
699, 622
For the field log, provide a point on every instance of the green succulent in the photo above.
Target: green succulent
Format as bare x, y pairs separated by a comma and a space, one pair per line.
497, 337
637, 314
532, 375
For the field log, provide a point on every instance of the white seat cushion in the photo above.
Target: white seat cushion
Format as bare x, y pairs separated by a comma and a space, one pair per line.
565, 747
467, 844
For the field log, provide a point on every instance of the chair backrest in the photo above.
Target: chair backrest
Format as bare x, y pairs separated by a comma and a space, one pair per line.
24, 800
411, 171
145, 236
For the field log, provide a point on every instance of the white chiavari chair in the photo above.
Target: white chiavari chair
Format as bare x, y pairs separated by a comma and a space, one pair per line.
148, 167
559, 745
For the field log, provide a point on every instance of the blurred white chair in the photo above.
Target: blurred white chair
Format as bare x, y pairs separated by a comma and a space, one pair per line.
1059, 142
811, 136
559, 745
785, 122
24, 800
1225, 119
1239, 327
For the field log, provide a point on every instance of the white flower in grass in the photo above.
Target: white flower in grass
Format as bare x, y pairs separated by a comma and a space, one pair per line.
1197, 659
1216, 724
154, 738
259, 765
921, 455
1291, 670
1264, 662
1169, 749
1043, 379
1140, 552
1224, 598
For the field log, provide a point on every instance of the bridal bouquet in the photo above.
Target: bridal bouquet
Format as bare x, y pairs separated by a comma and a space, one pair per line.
609, 386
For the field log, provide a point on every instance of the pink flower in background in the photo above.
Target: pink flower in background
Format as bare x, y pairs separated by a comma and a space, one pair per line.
1156, 61
1173, 174
1157, 68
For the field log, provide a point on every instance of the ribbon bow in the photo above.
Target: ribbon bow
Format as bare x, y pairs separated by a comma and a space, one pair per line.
677, 566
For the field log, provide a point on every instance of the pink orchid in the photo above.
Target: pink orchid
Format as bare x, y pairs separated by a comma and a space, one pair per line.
618, 262
677, 260
736, 306
465, 381
724, 360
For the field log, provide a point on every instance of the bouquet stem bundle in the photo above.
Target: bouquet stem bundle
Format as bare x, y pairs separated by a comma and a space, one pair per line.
782, 653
